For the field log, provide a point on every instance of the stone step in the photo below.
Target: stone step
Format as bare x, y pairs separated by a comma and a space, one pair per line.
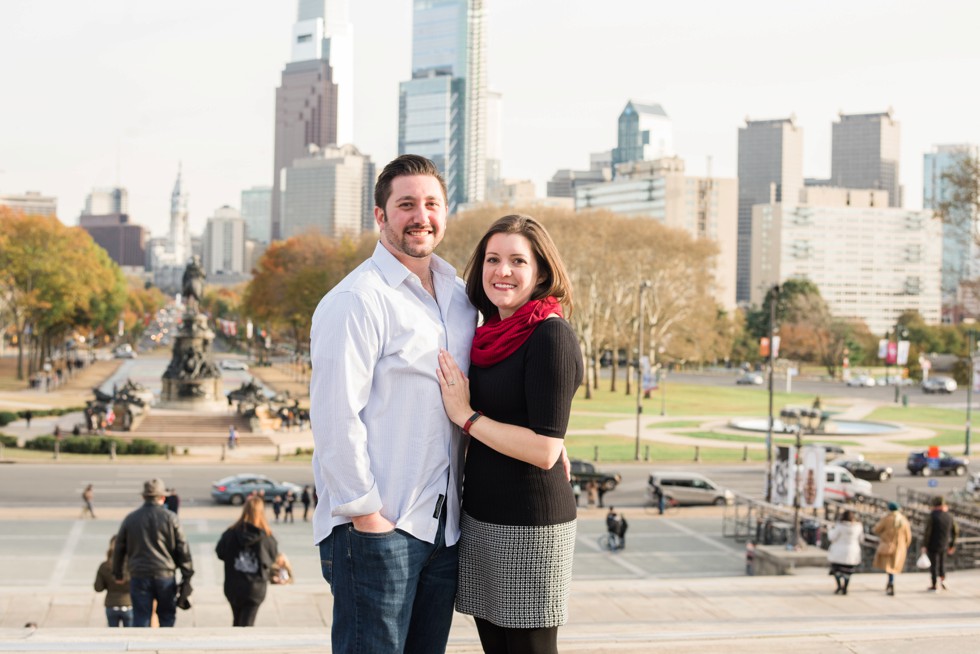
188, 438
200, 424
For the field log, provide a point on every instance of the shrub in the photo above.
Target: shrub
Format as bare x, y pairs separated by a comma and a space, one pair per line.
7, 417
142, 446
8, 441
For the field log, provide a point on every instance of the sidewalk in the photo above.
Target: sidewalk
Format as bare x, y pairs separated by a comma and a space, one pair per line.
733, 614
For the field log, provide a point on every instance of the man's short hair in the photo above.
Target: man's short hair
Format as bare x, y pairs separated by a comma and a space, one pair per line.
404, 166
938, 501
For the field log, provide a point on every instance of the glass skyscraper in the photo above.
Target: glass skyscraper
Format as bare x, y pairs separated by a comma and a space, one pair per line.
960, 250
442, 109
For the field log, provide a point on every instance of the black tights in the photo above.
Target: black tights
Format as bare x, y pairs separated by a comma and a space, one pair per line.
502, 640
243, 612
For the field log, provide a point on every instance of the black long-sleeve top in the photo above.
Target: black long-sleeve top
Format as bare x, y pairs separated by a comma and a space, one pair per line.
531, 388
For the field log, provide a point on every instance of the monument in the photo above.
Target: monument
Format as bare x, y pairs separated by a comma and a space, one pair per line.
192, 378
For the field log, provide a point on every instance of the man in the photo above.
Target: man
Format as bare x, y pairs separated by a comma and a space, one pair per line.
939, 540
152, 545
387, 462
172, 501
616, 526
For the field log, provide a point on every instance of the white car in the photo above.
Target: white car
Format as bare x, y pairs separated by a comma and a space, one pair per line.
938, 384
862, 380
840, 484
233, 364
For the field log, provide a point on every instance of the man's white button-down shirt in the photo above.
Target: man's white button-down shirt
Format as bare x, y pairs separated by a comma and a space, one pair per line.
382, 439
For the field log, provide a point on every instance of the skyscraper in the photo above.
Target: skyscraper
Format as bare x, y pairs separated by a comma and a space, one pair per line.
770, 169
224, 243
105, 201
865, 153
961, 254
442, 109
314, 101
645, 133
257, 212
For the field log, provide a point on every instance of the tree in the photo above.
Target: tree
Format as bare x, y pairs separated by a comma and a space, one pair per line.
292, 276
959, 210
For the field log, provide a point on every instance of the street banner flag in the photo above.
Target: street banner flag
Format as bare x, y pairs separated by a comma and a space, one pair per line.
892, 356
783, 479
763, 347
775, 347
903, 353
882, 348
811, 468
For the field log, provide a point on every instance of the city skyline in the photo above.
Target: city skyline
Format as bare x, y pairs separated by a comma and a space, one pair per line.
144, 87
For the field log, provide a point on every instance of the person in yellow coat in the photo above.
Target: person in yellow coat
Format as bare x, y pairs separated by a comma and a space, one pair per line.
895, 536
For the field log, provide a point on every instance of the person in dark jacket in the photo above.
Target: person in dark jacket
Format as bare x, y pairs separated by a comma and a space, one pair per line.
277, 506
152, 545
939, 540
306, 499
118, 605
172, 500
249, 551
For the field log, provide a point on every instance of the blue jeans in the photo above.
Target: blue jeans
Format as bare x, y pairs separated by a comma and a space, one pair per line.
119, 617
143, 590
391, 592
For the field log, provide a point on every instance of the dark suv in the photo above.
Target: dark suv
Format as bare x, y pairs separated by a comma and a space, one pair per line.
584, 472
918, 464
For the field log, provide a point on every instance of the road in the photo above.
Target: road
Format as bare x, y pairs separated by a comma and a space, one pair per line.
119, 484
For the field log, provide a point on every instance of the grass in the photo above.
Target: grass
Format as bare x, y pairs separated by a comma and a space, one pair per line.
690, 400
620, 448
921, 415
944, 438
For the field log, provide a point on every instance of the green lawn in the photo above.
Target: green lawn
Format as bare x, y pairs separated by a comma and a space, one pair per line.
946, 438
923, 415
621, 448
691, 400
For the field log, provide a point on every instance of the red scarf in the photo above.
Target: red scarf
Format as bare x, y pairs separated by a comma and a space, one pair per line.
497, 339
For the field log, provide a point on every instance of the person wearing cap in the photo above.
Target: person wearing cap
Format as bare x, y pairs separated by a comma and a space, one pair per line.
939, 540
894, 538
152, 545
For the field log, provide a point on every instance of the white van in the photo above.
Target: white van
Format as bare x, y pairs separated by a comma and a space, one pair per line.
688, 488
842, 485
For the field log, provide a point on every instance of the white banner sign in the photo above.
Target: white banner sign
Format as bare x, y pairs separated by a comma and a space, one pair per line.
812, 477
783, 479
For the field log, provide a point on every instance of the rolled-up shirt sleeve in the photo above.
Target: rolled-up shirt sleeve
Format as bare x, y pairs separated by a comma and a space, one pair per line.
345, 345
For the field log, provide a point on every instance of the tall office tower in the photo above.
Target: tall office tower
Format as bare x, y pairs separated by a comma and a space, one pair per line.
442, 109
865, 153
330, 192
125, 242
314, 101
770, 169
645, 133
961, 254
257, 213
106, 201
224, 243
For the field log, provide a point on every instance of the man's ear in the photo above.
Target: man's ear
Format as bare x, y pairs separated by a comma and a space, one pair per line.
379, 217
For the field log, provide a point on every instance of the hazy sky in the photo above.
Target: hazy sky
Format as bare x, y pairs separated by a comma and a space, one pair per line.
99, 92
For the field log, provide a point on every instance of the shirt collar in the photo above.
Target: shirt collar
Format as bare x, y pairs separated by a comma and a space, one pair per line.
395, 272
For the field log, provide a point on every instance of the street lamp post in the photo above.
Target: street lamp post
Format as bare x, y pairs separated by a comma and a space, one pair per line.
639, 368
969, 389
773, 297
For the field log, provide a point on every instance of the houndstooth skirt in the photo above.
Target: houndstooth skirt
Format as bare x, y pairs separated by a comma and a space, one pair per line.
513, 576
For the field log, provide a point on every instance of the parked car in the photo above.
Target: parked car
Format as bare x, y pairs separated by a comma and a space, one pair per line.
752, 378
861, 380
124, 351
840, 484
687, 488
947, 464
938, 384
867, 470
234, 489
584, 472
233, 364
831, 451
894, 380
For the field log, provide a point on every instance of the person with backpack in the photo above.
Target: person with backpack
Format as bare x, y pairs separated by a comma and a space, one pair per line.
249, 551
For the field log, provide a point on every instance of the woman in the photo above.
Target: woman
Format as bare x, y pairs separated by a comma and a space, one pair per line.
844, 553
118, 604
249, 551
518, 520
895, 535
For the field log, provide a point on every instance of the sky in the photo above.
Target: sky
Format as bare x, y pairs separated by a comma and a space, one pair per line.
103, 92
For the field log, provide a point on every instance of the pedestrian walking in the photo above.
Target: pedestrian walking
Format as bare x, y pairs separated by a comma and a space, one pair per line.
152, 546
27, 417
894, 538
939, 540
277, 506
287, 507
306, 500
232, 437
87, 496
118, 605
172, 500
844, 553
591, 494
249, 551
